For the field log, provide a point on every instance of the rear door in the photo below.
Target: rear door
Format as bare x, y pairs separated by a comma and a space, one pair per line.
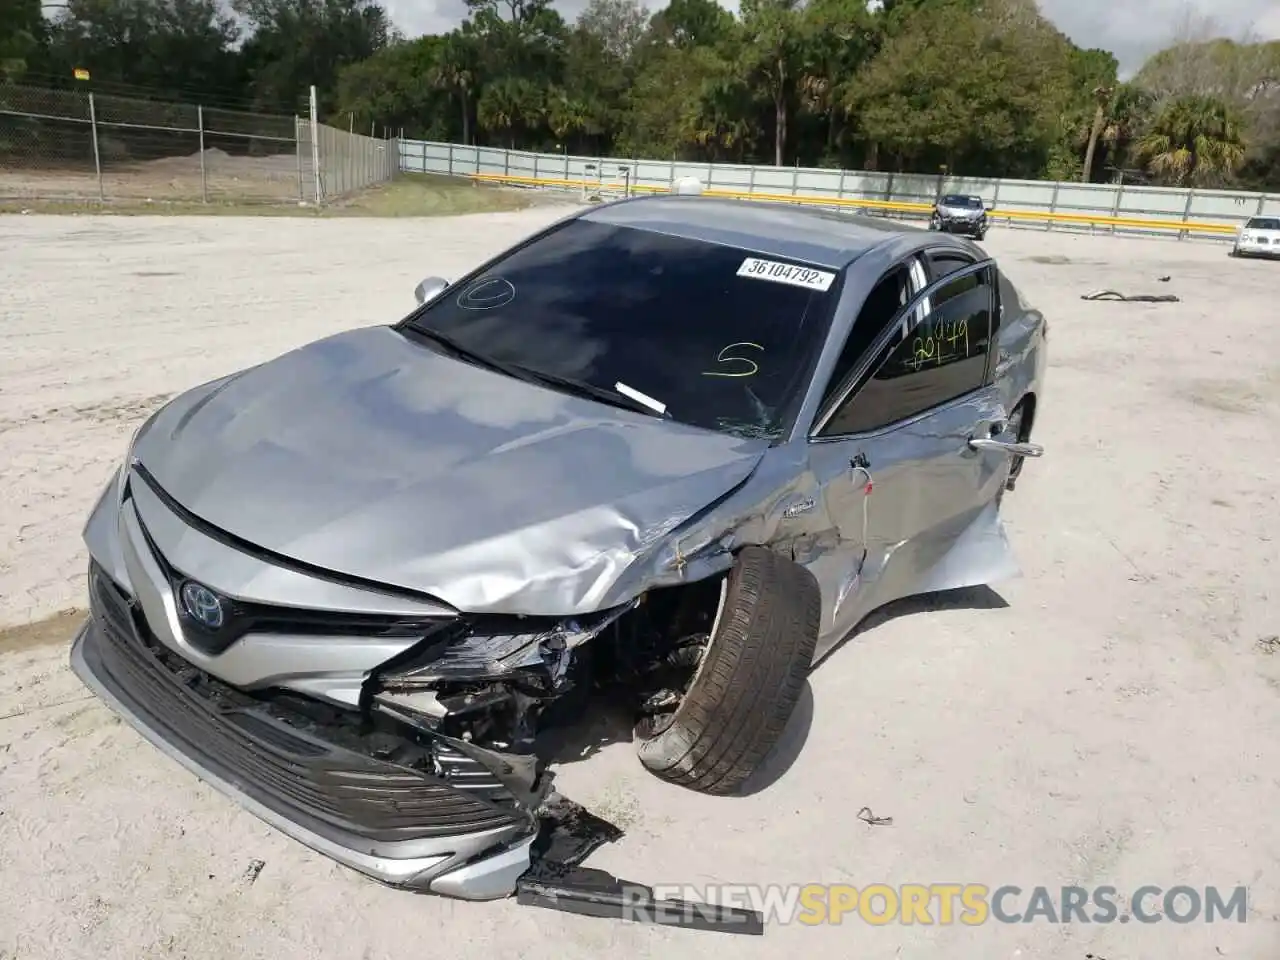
892, 451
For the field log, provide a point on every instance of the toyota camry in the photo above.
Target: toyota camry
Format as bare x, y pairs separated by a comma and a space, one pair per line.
664, 454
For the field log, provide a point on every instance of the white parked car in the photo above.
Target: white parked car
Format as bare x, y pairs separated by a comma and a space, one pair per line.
1259, 237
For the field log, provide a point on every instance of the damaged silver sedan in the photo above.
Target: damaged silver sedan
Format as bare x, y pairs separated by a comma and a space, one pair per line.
666, 453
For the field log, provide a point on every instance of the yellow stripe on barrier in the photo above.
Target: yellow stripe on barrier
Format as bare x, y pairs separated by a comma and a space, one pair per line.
1040, 216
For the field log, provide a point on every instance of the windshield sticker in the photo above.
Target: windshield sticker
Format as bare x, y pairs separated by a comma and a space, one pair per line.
744, 367
788, 273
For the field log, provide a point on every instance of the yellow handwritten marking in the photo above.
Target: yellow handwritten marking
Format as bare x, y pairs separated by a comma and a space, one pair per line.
721, 358
929, 345
923, 348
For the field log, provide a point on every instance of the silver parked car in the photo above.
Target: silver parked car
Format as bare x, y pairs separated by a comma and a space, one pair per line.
960, 213
669, 450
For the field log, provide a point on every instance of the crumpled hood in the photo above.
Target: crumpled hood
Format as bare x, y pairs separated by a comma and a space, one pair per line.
374, 456
961, 213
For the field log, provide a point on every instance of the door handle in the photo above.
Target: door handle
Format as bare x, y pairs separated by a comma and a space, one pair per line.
1011, 448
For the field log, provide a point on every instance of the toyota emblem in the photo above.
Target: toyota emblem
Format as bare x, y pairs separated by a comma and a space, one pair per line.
202, 605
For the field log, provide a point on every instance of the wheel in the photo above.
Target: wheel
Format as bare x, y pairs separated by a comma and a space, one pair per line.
748, 681
980, 235
1014, 431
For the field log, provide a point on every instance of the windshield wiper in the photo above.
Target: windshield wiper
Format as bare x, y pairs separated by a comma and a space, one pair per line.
583, 389
466, 353
529, 375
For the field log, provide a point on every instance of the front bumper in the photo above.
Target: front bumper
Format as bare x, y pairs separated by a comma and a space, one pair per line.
393, 823
1270, 251
961, 225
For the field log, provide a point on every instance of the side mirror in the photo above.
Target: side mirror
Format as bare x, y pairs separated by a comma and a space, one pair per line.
429, 289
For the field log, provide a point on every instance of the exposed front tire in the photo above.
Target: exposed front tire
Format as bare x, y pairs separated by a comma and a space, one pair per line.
748, 681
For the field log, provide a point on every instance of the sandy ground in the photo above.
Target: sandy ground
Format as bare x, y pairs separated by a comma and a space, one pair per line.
1116, 722
226, 177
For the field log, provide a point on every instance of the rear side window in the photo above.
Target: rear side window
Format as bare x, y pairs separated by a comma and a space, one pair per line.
941, 357
944, 263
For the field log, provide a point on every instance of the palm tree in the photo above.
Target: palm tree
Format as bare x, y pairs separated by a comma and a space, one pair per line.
568, 117
509, 107
1102, 96
1129, 112
1194, 140
454, 70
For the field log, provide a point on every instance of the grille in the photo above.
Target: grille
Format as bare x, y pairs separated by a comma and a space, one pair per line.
333, 791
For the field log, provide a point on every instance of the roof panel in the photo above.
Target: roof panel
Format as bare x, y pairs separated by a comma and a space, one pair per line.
812, 235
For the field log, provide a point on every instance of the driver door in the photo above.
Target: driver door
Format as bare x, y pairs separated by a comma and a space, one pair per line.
892, 453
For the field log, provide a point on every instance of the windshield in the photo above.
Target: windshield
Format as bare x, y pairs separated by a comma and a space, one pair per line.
955, 200
1263, 223
723, 338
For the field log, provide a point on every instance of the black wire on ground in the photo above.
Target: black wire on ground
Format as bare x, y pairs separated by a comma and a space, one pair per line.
1115, 296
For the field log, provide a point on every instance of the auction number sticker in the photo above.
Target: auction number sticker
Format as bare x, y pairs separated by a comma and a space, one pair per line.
777, 272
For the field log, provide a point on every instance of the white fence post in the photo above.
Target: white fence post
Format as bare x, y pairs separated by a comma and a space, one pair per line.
297, 152
315, 149
97, 157
204, 180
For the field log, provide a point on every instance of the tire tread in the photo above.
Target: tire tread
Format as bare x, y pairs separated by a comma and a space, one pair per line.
753, 675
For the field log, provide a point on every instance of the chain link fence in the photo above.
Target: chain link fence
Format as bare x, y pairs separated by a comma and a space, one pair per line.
80, 145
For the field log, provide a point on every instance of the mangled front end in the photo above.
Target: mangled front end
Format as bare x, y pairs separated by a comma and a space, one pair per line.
352, 780
388, 731
478, 689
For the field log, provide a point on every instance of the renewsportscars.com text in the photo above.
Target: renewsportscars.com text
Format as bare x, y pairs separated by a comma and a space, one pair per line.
968, 904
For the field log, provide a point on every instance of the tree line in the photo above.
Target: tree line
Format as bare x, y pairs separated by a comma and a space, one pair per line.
978, 87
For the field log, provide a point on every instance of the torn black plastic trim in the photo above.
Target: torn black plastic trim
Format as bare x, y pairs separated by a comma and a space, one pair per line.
595, 893
567, 834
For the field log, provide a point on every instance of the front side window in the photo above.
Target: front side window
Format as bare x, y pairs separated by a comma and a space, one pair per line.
724, 338
882, 305
940, 358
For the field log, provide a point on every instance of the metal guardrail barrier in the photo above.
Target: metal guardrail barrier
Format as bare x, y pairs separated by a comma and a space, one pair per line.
888, 206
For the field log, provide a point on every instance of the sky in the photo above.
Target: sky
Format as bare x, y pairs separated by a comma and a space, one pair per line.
1131, 29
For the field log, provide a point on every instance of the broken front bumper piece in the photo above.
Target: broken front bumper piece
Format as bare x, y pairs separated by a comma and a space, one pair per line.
464, 834
397, 824
556, 880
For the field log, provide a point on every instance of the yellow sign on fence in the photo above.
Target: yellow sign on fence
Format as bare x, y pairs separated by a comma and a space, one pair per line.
81, 73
